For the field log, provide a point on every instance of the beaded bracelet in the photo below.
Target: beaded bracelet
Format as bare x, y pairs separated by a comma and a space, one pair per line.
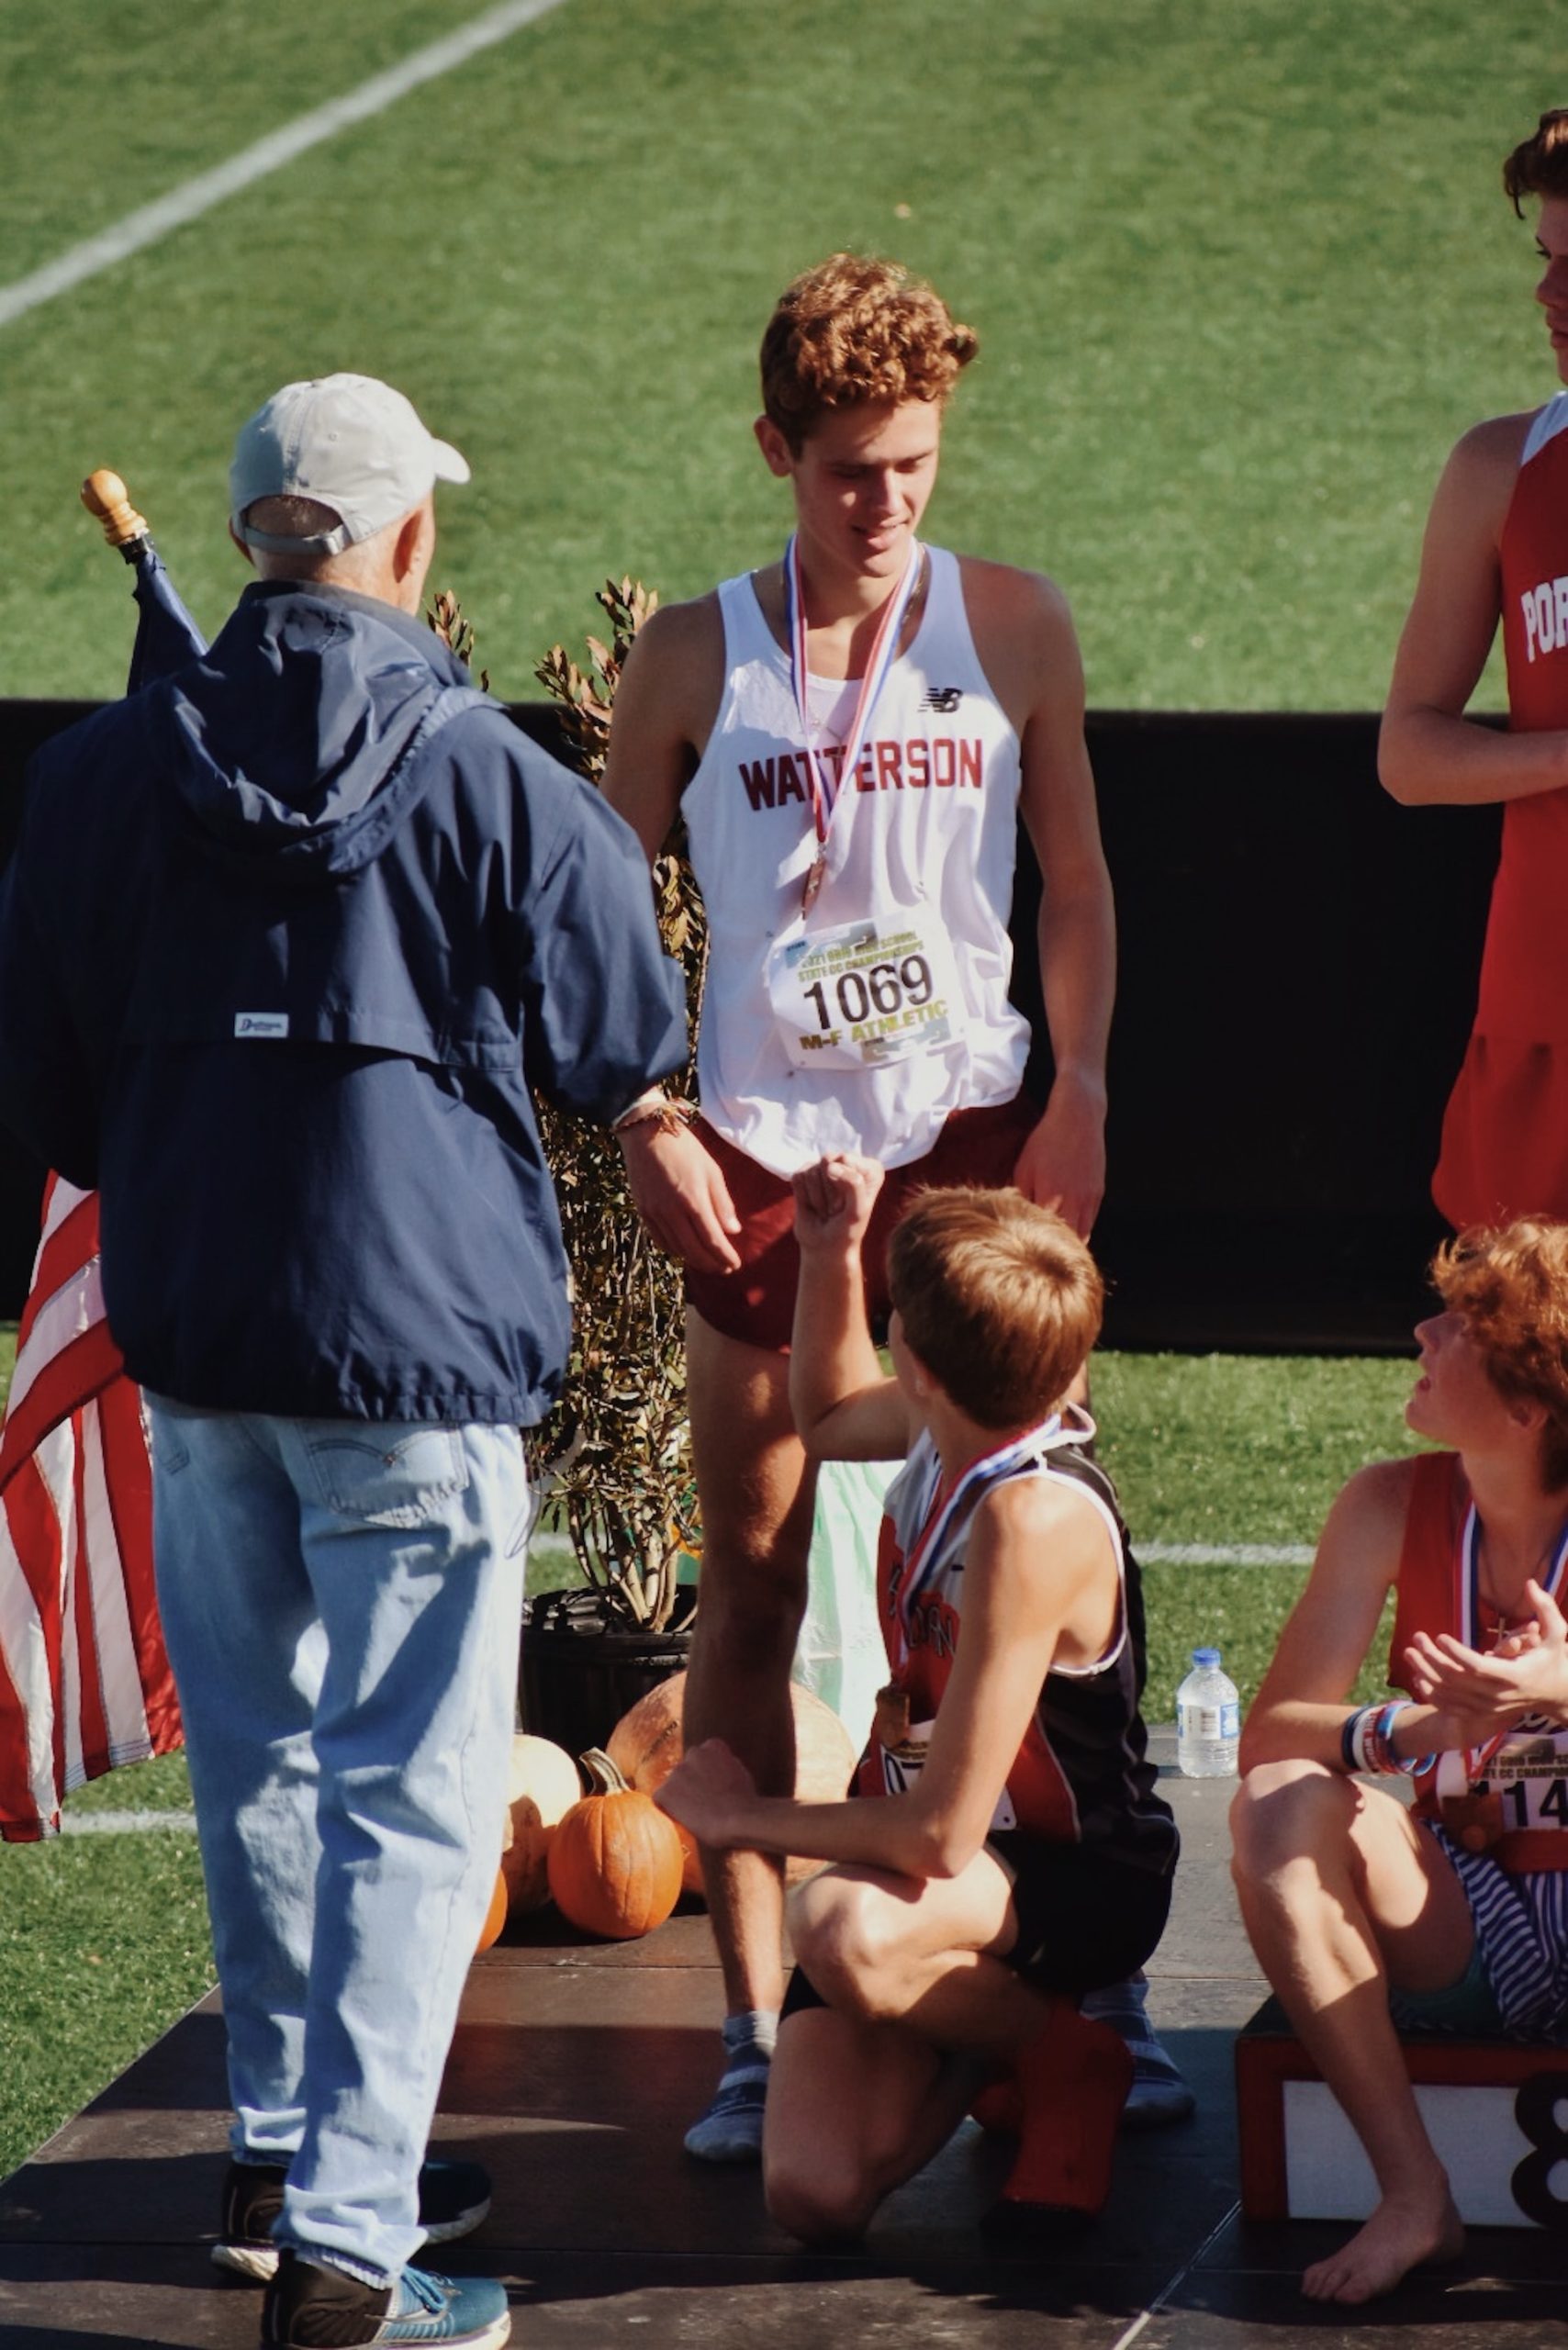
1366, 1742
667, 1111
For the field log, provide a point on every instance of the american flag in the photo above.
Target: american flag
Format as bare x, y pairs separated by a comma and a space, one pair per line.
84, 1679
84, 1682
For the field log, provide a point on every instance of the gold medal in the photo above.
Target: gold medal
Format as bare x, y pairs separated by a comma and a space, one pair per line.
890, 1722
813, 882
1474, 1821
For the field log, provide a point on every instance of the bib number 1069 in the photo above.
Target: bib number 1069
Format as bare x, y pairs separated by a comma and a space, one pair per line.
875, 993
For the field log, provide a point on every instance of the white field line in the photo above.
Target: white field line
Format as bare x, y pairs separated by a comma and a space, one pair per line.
1173, 2284
558, 1550
187, 202
1222, 1554
1149, 1554
127, 1823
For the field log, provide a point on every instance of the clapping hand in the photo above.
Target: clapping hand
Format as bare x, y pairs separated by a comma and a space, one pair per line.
1526, 1672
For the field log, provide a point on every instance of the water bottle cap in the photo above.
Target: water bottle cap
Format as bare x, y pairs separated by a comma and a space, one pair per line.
1205, 1656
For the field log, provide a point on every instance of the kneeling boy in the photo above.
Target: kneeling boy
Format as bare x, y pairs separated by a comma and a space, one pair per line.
1020, 1856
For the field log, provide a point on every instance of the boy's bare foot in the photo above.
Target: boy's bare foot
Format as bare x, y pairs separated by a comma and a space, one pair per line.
1398, 2237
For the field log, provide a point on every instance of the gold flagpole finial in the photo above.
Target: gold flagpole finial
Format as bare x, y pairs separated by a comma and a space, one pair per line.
104, 495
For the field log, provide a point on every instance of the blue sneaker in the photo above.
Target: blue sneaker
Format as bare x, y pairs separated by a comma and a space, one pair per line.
454, 2197
312, 2308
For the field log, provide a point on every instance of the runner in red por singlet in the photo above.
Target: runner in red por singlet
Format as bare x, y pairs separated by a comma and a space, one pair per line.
1496, 547
1370, 1918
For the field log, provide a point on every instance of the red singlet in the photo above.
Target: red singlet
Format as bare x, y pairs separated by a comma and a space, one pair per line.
1504, 1146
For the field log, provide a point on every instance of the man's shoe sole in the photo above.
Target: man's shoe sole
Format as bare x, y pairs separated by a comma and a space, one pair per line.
257, 2263
489, 2337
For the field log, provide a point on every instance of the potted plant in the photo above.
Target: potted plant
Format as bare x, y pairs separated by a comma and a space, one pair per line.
612, 1464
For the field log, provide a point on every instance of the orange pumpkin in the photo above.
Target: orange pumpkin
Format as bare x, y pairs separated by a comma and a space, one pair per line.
615, 1861
542, 1786
494, 1915
646, 1744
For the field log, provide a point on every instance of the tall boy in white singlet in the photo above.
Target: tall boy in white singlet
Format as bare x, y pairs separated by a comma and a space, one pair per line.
850, 735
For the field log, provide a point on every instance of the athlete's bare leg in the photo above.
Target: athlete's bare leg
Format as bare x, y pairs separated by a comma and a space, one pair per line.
1342, 1892
920, 2009
755, 1495
854, 2108
861, 2099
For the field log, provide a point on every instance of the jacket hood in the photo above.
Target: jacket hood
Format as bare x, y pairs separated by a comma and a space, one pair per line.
282, 744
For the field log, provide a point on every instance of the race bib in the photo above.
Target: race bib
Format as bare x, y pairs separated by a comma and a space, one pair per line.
902, 1764
865, 993
1525, 1784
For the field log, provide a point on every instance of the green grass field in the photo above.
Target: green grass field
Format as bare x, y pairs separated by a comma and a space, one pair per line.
1241, 275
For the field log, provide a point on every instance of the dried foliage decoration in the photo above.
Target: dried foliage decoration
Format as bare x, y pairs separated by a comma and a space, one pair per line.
455, 632
615, 1455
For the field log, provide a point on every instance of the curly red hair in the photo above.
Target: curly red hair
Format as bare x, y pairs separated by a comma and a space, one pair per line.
854, 330
1510, 1283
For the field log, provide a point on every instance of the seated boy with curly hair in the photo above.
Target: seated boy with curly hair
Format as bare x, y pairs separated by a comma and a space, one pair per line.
1018, 1856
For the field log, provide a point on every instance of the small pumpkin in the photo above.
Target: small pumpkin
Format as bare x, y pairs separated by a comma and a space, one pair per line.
645, 1746
646, 1743
615, 1861
543, 1784
494, 1915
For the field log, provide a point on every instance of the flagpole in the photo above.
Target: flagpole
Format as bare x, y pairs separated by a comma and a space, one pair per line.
166, 635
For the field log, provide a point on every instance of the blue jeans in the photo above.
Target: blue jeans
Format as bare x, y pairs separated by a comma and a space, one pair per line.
342, 1602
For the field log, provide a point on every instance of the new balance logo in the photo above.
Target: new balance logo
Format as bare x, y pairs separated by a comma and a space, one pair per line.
943, 698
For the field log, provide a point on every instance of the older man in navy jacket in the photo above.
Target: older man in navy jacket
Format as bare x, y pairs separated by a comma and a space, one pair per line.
289, 942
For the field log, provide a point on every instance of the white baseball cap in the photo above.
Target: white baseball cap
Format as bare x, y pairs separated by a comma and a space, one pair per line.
350, 443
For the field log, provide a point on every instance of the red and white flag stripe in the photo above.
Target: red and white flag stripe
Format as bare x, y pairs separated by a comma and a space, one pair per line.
84, 1682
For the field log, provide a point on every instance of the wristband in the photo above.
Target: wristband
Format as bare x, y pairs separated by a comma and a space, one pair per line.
666, 1111
1409, 1766
1366, 1742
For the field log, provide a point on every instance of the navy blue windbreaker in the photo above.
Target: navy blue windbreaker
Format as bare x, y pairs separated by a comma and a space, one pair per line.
288, 941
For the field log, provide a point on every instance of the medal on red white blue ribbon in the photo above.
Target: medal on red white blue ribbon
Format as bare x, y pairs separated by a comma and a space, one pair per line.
943, 1511
1475, 1818
826, 785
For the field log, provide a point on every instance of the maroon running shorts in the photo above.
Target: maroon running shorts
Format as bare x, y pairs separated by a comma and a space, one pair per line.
756, 1303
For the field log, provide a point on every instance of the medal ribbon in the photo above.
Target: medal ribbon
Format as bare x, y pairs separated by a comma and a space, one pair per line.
826, 785
942, 1515
1467, 1577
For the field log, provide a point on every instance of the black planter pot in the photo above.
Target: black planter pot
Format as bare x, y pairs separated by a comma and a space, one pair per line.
584, 1666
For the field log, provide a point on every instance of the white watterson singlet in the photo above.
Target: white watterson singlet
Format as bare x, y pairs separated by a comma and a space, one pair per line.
864, 1025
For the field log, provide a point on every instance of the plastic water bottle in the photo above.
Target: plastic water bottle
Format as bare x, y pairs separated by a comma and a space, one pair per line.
1208, 1720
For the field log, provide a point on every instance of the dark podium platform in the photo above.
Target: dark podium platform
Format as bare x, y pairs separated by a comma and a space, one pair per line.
575, 2071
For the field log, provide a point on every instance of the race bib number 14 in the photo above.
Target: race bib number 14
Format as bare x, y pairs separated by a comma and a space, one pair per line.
866, 992
1526, 1782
